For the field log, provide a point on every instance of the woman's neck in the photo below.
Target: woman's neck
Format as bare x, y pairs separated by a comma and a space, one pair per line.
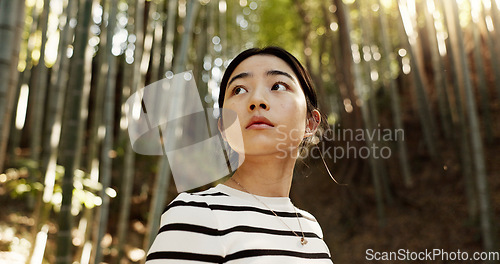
264, 176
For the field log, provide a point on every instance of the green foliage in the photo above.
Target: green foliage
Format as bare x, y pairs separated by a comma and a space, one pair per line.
280, 25
19, 184
84, 192
21, 180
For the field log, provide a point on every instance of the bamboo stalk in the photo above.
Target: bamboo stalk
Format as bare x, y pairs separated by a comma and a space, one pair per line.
396, 101
107, 144
11, 24
163, 178
481, 76
426, 118
460, 124
72, 132
129, 156
15, 132
487, 226
39, 89
440, 83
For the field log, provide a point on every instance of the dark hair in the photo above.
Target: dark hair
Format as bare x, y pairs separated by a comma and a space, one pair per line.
302, 75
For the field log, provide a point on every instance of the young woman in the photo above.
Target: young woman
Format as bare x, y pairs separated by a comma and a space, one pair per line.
250, 218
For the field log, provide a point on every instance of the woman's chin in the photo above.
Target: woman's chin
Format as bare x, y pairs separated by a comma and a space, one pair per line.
279, 151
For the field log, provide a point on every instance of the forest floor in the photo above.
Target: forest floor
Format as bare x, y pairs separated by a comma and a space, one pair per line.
432, 214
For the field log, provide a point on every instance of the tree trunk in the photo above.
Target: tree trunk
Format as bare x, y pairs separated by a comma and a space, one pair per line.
139, 54
129, 156
351, 112
234, 31
107, 144
370, 67
161, 68
72, 132
495, 16
426, 118
491, 39
396, 104
92, 162
487, 227
126, 185
39, 89
15, 132
481, 77
323, 68
11, 26
171, 29
330, 102
364, 90
201, 51
57, 91
163, 179
305, 31
223, 29
52, 126
440, 83
157, 48
308, 49
147, 57
94, 141
461, 127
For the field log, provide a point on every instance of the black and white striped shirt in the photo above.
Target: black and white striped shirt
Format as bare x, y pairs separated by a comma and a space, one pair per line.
225, 225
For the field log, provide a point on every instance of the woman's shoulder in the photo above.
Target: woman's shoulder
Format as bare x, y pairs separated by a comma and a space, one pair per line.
188, 231
192, 208
311, 221
196, 200
306, 215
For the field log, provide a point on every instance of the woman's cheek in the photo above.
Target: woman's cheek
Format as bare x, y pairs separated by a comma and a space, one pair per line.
297, 135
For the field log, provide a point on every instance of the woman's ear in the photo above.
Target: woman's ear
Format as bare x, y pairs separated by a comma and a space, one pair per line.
312, 123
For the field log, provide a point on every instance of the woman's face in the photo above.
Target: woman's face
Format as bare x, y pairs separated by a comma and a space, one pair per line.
271, 107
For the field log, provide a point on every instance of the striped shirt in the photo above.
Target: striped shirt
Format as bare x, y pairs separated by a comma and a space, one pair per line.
225, 225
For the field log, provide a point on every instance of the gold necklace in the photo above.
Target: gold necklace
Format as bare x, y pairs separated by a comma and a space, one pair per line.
303, 239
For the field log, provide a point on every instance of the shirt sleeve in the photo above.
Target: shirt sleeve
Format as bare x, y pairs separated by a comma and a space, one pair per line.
188, 234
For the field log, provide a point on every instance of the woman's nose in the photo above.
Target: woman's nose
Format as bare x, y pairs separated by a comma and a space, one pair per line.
258, 100
262, 105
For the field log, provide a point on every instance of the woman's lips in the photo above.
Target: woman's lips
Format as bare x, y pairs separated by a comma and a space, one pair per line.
259, 122
259, 126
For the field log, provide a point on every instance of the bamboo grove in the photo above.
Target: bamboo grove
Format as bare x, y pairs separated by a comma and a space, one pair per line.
67, 67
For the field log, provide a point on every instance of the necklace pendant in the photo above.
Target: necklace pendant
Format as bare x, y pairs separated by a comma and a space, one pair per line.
303, 241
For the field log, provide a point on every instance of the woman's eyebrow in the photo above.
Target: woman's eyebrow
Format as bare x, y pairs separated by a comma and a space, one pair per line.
278, 72
239, 76
270, 72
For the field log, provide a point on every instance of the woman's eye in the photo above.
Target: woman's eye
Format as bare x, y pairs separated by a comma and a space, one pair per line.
239, 90
278, 87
